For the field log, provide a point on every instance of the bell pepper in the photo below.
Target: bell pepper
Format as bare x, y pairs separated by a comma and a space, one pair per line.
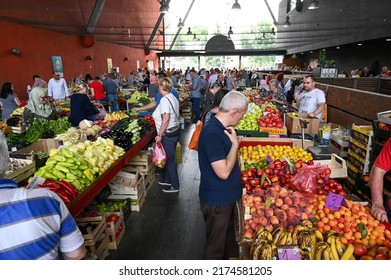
65, 164
58, 174
70, 176
88, 174
48, 175
63, 195
59, 158
67, 153
61, 168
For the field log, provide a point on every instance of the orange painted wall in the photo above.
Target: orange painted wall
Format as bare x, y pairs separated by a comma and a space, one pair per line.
37, 46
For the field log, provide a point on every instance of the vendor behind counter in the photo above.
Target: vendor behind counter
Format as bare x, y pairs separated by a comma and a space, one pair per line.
39, 107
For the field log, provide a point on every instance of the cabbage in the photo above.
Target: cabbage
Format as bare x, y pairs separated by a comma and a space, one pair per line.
73, 130
84, 124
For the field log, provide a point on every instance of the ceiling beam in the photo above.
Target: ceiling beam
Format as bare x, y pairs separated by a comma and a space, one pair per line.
158, 22
271, 13
179, 29
95, 15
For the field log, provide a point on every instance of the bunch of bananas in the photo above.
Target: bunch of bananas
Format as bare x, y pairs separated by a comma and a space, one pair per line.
118, 115
333, 249
262, 246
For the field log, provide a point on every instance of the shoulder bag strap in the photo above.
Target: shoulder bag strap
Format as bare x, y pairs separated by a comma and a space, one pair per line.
173, 109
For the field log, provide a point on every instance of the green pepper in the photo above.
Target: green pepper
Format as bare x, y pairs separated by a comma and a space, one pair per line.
61, 168
71, 160
65, 164
71, 176
39, 172
59, 158
58, 174
51, 161
77, 172
77, 185
83, 167
89, 175
67, 153
49, 175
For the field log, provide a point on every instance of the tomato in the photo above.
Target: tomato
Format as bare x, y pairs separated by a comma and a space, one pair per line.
279, 125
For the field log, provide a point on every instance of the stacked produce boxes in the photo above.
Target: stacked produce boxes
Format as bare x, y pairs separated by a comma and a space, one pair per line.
187, 112
358, 159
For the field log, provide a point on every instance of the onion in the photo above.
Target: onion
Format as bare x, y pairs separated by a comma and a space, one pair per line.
104, 131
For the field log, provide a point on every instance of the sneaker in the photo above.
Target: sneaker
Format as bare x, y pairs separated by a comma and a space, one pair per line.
170, 190
164, 183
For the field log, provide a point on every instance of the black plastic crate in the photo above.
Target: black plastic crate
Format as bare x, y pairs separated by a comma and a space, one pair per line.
104, 194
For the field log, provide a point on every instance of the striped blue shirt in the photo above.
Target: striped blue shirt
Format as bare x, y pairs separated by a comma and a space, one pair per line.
35, 224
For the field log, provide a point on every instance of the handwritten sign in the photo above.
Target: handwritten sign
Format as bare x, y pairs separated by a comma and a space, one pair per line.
287, 253
269, 159
333, 201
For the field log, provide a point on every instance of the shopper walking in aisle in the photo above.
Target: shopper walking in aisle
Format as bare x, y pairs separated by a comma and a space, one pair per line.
9, 101
231, 81
220, 184
195, 94
209, 97
57, 88
311, 100
168, 127
35, 223
376, 182
111, 89
97, 90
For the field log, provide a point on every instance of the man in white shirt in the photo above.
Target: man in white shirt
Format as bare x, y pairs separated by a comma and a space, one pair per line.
57, 87
311, 100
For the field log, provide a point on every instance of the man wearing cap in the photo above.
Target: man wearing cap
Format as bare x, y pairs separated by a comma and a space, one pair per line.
195, 94
111, 90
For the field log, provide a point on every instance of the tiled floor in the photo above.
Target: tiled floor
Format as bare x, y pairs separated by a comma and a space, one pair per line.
170, 226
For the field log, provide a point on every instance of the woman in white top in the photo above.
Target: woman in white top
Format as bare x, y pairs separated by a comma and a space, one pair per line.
166, 116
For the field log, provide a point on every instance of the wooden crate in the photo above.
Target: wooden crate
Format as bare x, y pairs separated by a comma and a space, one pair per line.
149, 180
100, 250
136, 205
93, 229
114, 241
337, 165
24, 172
127, 187
140, 163
112, 228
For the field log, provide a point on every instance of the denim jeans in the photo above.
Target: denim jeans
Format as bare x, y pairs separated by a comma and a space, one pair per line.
170, 170
196, 108
113, 99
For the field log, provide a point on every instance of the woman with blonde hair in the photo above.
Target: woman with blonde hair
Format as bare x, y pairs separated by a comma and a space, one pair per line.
81, 106
168, 127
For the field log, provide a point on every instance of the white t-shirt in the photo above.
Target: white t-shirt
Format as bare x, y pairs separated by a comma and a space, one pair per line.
165, 107
309, 101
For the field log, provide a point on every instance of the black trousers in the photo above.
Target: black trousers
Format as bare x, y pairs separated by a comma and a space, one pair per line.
217, 220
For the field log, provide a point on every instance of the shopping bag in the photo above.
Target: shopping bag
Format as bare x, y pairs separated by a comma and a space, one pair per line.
178, 153
101, 112
159, 156
193, 145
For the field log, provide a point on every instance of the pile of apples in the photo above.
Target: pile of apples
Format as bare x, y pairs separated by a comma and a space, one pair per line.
271, 118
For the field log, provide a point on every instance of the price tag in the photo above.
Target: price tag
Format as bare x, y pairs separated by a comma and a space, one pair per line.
333, 201
288, 253
35, 182
14, 149
269, 159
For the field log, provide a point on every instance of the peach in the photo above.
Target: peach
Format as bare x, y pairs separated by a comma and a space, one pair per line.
274, 220
279, 202
250, 199
283, 192
269, 227
291, 212
256, 218
249, 233
295, 200
258, 227
293, 220
288, 201
262, 221
276, 187
257, 199
260, 211
281, 215
284, 207
258, 192
269, 212
253, 210
253, 225
304, 216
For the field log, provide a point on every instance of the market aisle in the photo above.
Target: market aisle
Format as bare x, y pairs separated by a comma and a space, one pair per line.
169, 226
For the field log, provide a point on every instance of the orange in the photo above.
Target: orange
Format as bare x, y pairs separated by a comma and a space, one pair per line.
320, 224
332, 223
375, 233
325, 220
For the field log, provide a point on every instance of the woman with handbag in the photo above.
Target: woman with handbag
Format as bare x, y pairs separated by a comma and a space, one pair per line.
168, 127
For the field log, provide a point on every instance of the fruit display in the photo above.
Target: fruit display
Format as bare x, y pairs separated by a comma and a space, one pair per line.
384, 126
249, 120
115, 116
260, 153
271, 118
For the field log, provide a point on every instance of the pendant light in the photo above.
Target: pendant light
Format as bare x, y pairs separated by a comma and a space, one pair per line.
236, 6
313, 5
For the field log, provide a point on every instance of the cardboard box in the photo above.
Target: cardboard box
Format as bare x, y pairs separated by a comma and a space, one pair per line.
293, 124
41, 145
298, 143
